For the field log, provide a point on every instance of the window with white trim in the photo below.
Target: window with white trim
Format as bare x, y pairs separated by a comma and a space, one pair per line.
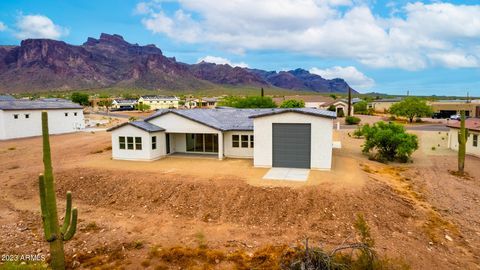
138, 143
121, 142
475, 140
251, 141
154, 142
242, 141
235, 141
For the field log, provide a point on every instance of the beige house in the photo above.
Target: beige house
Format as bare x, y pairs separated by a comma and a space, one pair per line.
341, 106
451, 107
206, 102
313, 101
159, 102
473, 126
383, 105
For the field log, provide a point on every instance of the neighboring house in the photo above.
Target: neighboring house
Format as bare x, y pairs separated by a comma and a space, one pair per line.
209, 103
160, 102
313, 101
124, 104
452, 107
341, 106
473, 126
383, 105
22, 118
298, 138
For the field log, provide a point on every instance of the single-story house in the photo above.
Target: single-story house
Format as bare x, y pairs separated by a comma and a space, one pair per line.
452, 107
297, 138
124, 104
383, 105
341, 106
22, 118
206, 102
160, 102
473, 126
311, 101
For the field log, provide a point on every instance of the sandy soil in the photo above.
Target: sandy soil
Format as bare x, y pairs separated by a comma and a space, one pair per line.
413, 209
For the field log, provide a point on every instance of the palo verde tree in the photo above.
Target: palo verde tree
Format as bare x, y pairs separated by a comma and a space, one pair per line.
54, 234
390, 140
411, 107
292, 103
462, 143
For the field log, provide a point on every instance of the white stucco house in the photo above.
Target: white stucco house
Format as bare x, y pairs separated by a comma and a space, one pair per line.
22, 118
292, 138
473, 126
160, 102
124, 104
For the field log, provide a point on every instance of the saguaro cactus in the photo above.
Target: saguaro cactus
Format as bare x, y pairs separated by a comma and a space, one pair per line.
462, 143
54, 234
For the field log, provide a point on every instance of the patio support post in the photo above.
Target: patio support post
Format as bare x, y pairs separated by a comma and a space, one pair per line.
220, 145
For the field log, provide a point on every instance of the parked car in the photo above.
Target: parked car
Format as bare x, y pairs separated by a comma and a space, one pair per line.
458, 117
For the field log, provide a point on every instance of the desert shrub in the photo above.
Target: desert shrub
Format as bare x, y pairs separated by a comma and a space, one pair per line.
362, 108
80, 98
332, 108
17, 265
248, 102
132, 119
392, 118
142, 107
390, 140
352, 120
292, 103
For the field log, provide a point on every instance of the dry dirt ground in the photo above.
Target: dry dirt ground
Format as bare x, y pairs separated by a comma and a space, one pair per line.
418, 212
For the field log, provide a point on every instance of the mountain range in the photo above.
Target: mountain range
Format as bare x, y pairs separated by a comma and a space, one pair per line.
110, 61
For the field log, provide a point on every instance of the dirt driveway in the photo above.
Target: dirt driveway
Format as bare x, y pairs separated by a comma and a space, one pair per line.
126, 208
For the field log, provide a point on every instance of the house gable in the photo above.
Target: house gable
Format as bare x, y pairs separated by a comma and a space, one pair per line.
176, 123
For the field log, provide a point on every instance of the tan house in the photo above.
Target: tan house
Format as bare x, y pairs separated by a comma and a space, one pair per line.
383, 105
313, 101
452, 107
159, 102
341, 106
473, 126
206, 102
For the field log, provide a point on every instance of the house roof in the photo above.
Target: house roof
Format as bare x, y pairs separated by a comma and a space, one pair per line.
225, 119
120, 101
6, 97
471, 124
141, 125
335, 102
20, 104
387, 100
153, 97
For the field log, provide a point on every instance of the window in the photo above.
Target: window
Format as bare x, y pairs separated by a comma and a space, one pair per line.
251, 141
66, 114
27, 116
154, 142
121, 142
475, 140
235, 140
130, 143
15, 116
74, 114
138, 143
244, 141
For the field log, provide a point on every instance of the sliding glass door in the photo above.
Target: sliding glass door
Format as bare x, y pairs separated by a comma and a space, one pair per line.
202, 143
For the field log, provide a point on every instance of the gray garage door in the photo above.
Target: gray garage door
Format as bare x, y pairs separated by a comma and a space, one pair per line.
291, 145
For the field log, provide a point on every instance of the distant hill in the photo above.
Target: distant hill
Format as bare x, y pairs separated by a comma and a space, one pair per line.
110, 61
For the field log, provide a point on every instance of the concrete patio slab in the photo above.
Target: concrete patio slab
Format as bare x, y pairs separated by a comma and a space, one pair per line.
290, 174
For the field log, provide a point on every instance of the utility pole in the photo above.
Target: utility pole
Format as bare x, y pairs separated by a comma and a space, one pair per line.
349, 113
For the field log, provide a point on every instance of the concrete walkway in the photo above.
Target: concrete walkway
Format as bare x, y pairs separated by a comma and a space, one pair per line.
290, 174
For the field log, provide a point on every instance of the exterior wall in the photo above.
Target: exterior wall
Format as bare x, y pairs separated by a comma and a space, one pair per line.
147, 153
313, 104
470, 149
322, 132
380, 107
235, 152
160, 104
27, 127
471, 108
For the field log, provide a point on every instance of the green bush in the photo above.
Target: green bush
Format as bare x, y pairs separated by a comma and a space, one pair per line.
80, 98
390, 140
411, 107
362, 108
292, 103
352, 120
248, 102
332, 108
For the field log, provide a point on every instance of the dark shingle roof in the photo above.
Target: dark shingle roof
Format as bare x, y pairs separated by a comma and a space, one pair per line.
141, 125
235, 119
6, 97
20, 104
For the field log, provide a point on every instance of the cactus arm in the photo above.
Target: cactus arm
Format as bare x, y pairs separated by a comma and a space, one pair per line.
73, 226
68, 213
43, 207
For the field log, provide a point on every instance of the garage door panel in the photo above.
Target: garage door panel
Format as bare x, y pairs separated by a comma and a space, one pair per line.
291, 145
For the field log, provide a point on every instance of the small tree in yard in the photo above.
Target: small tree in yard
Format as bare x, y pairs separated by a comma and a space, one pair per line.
390, 140
411, 107
462, 142
292, 103
80, 98
105, 103
142, 107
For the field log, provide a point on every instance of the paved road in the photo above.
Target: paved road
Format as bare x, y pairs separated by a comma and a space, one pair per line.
429, 127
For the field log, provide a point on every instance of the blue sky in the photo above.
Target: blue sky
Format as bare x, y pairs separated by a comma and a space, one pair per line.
426, 47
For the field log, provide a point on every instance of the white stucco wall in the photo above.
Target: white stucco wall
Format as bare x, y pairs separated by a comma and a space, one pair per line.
321, 138
147, 153
235, 152
470, 149
173, 123
27, 127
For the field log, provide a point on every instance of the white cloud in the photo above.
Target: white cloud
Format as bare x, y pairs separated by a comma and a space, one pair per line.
3, 27
221, 61
415, 36
350, 74
38, 26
